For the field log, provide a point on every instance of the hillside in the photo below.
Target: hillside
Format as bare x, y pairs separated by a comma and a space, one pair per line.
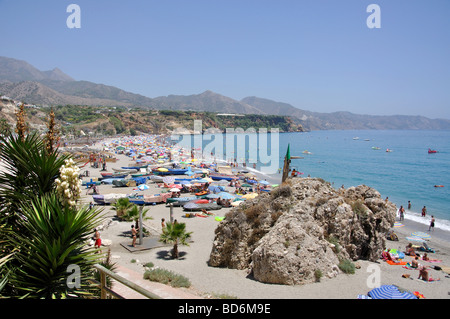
111, 120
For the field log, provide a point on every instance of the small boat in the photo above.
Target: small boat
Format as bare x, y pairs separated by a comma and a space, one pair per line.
356, 138
120, 170
430, 151
135, 167
170, 171
388, 150
375, 148
438, 185
306, 152
218, 177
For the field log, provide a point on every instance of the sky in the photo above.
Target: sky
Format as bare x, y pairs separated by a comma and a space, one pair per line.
317, 55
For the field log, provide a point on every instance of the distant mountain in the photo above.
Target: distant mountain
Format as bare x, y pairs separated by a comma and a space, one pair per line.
206, 101
346, 120
22, 81
13, 70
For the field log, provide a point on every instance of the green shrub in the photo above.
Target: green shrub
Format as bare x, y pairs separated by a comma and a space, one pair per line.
347, 266
167, 277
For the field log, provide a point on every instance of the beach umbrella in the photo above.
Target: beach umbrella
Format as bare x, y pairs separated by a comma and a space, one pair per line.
414, 238
390, 292
214, 189
250, 196
169, 180
264, 182
421, 234
212, 196
174, 190
246, 185
397, 224
143, 187
190, 205
225, 195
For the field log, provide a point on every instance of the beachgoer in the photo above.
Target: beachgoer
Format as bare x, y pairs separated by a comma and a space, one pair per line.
409, 204
423, 273
133, 235
162, 223
424, 211
415, 262
425, 257
401, 212
431, 223
91, 205
98, 241
410, 250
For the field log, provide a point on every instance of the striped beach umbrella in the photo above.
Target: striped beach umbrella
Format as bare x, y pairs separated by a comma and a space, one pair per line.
390, 292
414, 238
420, 234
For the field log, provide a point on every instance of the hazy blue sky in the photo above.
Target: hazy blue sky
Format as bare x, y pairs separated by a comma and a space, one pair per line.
316, 55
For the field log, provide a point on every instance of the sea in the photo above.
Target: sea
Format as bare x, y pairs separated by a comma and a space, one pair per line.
394, 162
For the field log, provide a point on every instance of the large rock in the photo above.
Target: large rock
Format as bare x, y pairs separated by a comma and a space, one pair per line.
302, 229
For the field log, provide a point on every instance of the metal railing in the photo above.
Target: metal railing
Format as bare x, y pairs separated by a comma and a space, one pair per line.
105, 290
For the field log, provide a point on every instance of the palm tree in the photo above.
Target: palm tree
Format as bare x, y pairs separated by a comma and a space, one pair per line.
175, 233
132, 214
121, 206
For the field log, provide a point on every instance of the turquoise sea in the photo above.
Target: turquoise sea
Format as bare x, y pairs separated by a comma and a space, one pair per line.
407, 173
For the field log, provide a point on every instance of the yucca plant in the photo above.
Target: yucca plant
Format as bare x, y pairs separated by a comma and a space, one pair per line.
30, 169
175, 233
55, 239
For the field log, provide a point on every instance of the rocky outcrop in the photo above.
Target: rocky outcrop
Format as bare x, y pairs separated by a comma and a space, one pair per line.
302, 229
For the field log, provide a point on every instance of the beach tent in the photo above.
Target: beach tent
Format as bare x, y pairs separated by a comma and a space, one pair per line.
390, 292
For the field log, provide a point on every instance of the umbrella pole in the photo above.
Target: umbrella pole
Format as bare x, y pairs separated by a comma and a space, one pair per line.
171, 212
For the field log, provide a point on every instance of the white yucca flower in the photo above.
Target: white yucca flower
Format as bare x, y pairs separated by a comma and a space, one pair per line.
68, 185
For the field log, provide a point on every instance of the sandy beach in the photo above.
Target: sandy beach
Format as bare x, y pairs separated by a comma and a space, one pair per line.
210, 282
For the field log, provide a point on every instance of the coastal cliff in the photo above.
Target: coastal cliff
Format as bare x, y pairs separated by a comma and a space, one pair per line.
301, 229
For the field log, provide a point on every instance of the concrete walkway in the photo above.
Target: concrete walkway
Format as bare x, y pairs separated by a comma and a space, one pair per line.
164, 291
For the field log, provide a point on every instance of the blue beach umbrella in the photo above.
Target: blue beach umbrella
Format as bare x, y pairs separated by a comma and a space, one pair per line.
390, 292
225, 195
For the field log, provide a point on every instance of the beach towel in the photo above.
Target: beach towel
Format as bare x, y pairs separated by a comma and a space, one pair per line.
400, 263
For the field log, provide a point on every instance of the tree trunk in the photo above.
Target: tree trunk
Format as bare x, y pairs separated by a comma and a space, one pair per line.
175, 250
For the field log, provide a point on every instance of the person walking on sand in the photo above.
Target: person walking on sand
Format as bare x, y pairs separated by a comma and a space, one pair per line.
431, 223
98, 241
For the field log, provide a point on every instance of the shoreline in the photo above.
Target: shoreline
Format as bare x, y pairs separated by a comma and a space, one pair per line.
210, 281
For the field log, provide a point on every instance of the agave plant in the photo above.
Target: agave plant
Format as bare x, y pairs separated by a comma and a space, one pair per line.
55, 240
175, 233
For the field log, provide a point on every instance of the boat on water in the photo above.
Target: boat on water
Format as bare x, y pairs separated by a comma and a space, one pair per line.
375, 148
356, 138
306, 152
388, 150
430, 151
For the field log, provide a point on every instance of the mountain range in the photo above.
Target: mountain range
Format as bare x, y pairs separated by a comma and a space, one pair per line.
22, 81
